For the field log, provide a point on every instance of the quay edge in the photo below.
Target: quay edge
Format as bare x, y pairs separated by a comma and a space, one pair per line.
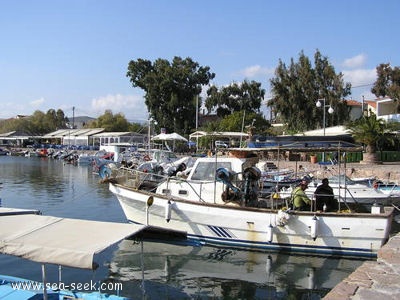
378, 279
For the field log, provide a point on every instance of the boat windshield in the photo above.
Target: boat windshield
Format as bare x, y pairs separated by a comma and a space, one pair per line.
206, 170
342, 179
164, 156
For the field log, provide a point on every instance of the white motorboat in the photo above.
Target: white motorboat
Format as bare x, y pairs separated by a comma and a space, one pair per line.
219, 204
351, 192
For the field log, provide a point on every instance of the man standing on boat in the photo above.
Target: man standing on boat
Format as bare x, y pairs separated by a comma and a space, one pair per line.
299, 198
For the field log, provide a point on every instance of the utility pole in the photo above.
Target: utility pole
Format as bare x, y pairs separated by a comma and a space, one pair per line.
73, 117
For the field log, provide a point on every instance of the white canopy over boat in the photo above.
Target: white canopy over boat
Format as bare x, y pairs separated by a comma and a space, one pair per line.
169, 137
62, 241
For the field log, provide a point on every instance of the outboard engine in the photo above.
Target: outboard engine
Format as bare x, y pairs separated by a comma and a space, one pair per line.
250, 189
231, 192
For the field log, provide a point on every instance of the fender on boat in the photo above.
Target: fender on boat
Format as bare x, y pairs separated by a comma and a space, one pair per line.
270, 233
105, 172
314, 228
168, 211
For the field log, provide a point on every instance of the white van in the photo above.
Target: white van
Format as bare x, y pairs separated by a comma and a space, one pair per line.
221, 144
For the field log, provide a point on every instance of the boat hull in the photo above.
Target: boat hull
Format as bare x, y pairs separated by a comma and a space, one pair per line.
343, 234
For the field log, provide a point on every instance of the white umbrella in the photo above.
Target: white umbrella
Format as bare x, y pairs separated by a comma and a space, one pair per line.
169, 137
160, 137
176, 137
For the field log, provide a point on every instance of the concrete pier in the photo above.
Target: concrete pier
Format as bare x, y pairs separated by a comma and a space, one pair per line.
378, 279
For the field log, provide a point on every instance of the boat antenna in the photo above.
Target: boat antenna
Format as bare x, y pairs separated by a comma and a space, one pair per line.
215, 180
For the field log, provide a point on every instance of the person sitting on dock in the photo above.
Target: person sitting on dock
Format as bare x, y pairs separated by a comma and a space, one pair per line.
300, 200
324, 197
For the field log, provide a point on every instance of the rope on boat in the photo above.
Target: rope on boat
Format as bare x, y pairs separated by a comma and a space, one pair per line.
396, 207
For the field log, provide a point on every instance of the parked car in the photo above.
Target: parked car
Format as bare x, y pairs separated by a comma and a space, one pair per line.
221, 144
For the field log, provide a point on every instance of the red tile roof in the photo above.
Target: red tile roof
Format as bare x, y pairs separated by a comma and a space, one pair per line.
353, 103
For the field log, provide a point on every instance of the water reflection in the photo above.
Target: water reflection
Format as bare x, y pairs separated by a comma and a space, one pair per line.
57, 189
42, 176
156, 269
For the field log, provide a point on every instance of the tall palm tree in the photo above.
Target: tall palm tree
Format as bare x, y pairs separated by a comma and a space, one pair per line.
372, 132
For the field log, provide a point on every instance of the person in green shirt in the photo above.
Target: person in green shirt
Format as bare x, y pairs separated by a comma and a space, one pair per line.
299, 198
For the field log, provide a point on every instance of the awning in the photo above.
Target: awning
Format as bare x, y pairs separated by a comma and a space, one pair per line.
215, 134
61, 241
169, 137
329, 131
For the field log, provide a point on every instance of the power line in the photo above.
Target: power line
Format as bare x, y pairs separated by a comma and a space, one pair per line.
362, 85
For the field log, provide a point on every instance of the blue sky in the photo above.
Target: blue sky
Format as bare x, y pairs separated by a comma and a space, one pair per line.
75, 53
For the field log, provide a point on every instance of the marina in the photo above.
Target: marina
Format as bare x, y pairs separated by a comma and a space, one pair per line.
181, 271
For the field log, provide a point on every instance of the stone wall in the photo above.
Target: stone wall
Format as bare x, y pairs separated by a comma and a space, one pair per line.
373, 279
384, 172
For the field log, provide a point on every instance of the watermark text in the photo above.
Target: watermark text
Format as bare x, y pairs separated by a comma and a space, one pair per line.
103, 287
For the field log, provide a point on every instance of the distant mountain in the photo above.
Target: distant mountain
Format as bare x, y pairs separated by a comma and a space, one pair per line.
80, 121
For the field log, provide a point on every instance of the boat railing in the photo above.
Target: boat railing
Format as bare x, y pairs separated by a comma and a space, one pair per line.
389, 188
339, 198
136, 179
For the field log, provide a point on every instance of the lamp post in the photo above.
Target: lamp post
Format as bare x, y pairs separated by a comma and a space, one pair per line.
330, 111
151, 122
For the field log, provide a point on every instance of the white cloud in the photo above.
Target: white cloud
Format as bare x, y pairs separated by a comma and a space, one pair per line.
355, 61
256, 70
360, 76
132, 106
37, 102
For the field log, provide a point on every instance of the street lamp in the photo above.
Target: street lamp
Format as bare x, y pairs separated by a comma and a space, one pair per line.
151, 121
330, 110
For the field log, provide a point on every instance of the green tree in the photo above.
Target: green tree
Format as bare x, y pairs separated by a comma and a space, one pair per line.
235, 122
373, 133
111, 122
21, 124
235, 97
61, 119
297, 88
170, 89
39, 122
387, 83
36, 124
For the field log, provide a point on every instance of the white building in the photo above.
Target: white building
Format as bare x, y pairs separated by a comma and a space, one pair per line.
384, 108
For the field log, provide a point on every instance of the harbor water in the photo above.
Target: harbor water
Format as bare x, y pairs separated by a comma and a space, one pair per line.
153, 269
